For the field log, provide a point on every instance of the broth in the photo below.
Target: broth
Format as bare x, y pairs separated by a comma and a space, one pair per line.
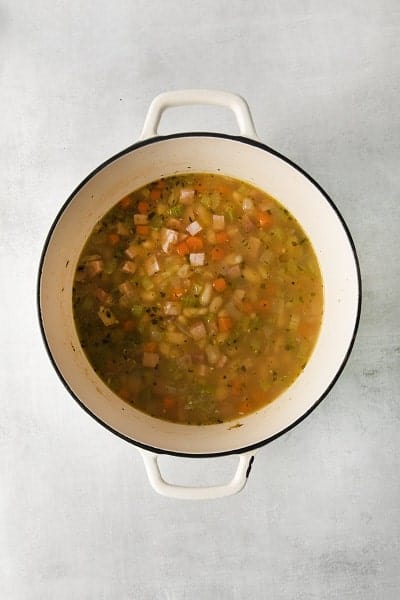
198, 299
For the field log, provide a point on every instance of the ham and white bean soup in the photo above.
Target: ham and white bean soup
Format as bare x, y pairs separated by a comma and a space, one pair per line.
198, 299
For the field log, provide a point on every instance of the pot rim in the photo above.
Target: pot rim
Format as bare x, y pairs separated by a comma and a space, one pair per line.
261, 146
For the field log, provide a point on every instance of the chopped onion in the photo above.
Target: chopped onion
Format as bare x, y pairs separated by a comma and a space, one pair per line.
172, 308
151, 265
247, 204
168, 237
197, 259
140, 219
218, 222
194, 227
198, 331
150, 359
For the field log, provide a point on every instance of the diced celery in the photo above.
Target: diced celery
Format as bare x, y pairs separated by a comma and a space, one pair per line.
110, 266
137, 310
189, 301
265, 384
176, 210
156, 222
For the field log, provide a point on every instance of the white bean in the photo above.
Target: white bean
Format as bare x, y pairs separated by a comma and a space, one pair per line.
206, 294
215, 304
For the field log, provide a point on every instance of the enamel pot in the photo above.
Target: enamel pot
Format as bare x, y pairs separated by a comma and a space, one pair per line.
242, 157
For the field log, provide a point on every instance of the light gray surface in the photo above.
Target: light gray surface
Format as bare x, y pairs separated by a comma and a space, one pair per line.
319, 518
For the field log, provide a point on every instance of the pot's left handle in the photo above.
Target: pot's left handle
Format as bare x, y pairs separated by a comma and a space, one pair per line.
235, 485
166, 100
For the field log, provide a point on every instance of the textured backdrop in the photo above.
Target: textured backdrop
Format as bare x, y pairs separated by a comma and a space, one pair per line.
319, 518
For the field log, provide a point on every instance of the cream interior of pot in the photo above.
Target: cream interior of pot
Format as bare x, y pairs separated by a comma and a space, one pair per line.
244, 161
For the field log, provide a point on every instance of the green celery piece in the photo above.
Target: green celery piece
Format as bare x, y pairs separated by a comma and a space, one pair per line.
137, 310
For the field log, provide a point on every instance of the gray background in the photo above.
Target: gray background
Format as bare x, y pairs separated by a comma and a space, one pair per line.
319, 518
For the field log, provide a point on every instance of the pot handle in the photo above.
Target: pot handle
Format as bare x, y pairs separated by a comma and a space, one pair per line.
158, 483
236, 103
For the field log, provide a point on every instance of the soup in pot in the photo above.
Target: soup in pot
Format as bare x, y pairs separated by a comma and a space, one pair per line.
198, 299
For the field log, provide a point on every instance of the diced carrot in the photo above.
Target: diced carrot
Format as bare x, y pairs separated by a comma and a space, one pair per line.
150, 347
123, 393
113, 239
182, 248
219, 284
169, 402
264, 305
306, 329
236, 386
129, 325
177, 293
224, 324
246, 307
160, 184
143, 229
155, 194
222, 188
217, 253
221, 237
143, 207
194, 243
125, 202
244, 407
264, 219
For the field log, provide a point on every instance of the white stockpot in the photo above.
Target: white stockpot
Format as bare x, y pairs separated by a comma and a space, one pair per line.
244, 158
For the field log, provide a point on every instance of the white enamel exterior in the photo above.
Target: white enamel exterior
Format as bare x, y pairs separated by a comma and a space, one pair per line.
213, 154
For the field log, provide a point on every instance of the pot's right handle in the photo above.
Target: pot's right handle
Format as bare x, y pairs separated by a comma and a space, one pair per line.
158, 483
236, 103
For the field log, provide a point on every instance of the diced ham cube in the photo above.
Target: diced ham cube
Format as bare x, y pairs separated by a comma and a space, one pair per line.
151, 265
132, 251
198, 331
129, 267
168, 237
194, 228
186, 195
218, 222
103, 296
94, 267
197, 259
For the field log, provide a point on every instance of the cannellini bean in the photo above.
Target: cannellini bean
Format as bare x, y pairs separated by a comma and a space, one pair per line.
206, 294
251, 275
215, 304
213, 353
150, 359
194, 312
140, 219
148, 296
